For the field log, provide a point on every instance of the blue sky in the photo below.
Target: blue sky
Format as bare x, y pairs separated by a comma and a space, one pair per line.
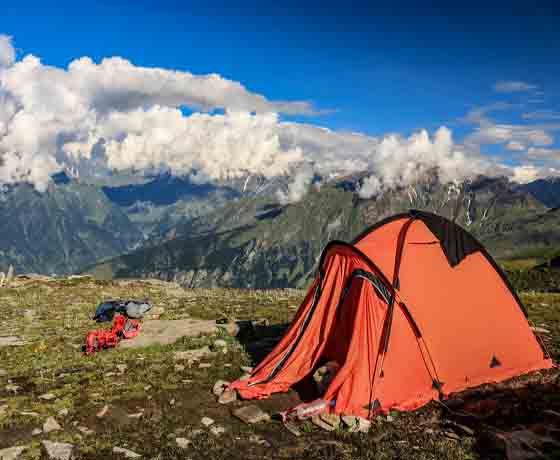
378, 69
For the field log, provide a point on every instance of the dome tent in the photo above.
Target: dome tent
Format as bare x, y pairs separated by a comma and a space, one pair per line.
413, 310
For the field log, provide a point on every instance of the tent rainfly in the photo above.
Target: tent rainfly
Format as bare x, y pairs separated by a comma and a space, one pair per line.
413, 310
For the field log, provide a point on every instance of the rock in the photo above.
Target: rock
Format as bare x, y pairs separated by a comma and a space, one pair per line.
540, 330
127, 453
292, 428
51, 425
255, 438
356, 424
102, 412
136, 415
166, 332
316, 420
3, 372
244, 377
219, 344
47, 397
232, 328
331, 419
219, 387
179, 368
121, 368
246, 369
155, 313
85, 430
251, 414
172, 402
183, 443
58, 450
36, 432
204, 365
30, 414
206, 421
217, 430
11, 453
3, 409
11, 341
63, 412
227, 397
12, 388
325, 375
192, 355
452, 435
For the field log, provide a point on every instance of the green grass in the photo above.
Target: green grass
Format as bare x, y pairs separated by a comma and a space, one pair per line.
173, 401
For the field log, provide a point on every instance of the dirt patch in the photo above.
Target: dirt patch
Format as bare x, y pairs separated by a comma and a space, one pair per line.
167, 332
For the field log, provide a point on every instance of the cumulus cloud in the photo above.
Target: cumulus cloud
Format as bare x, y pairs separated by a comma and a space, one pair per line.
401, 161
513, 86
528, 173
114, 116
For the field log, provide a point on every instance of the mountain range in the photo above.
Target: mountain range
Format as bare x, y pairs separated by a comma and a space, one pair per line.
236, 233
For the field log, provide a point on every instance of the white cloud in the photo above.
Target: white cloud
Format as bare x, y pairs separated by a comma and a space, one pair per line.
512, 86
515, 146
298, 188
528, 173
543, 153
490, 133
7, 51
542, 115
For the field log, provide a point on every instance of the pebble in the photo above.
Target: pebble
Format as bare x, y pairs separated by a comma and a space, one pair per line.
12, 388
127, 453
206, 421
11, 453
47, 397
228, 396
63, 412
217, 430
51, 425
179, 367
58, 450
36, 432
183, 443
220, 343
103, 411
204, 365
121, 368
246, 369
3, 372
219, 387
85, 430
251, 414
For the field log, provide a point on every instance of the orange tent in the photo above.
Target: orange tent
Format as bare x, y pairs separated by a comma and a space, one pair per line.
413, 310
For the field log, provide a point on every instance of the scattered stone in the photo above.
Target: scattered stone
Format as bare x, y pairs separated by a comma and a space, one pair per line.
390, 418
251, 414
47, 397
192, 355
227, 397
316, 420
58, 450
172, 402
540, 330
219, 344
196, 432
11, 453
204, 365
121, 368
63, 412
452, 435
325, 375
255, 438
12, 388
217, 430
11, 341
206, 421
246, 369
183, 443
136, 415
85, 430
356, 424
127, 453
36, 432
331, 419
51, 425
219, 387
102, 412
147, 387
179, 368
3, 372
30, 414
166, 332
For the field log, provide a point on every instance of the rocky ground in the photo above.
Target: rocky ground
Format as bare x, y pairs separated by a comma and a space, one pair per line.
153, 398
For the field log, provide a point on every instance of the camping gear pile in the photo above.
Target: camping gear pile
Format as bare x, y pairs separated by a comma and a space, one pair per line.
413, 310
120, 312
